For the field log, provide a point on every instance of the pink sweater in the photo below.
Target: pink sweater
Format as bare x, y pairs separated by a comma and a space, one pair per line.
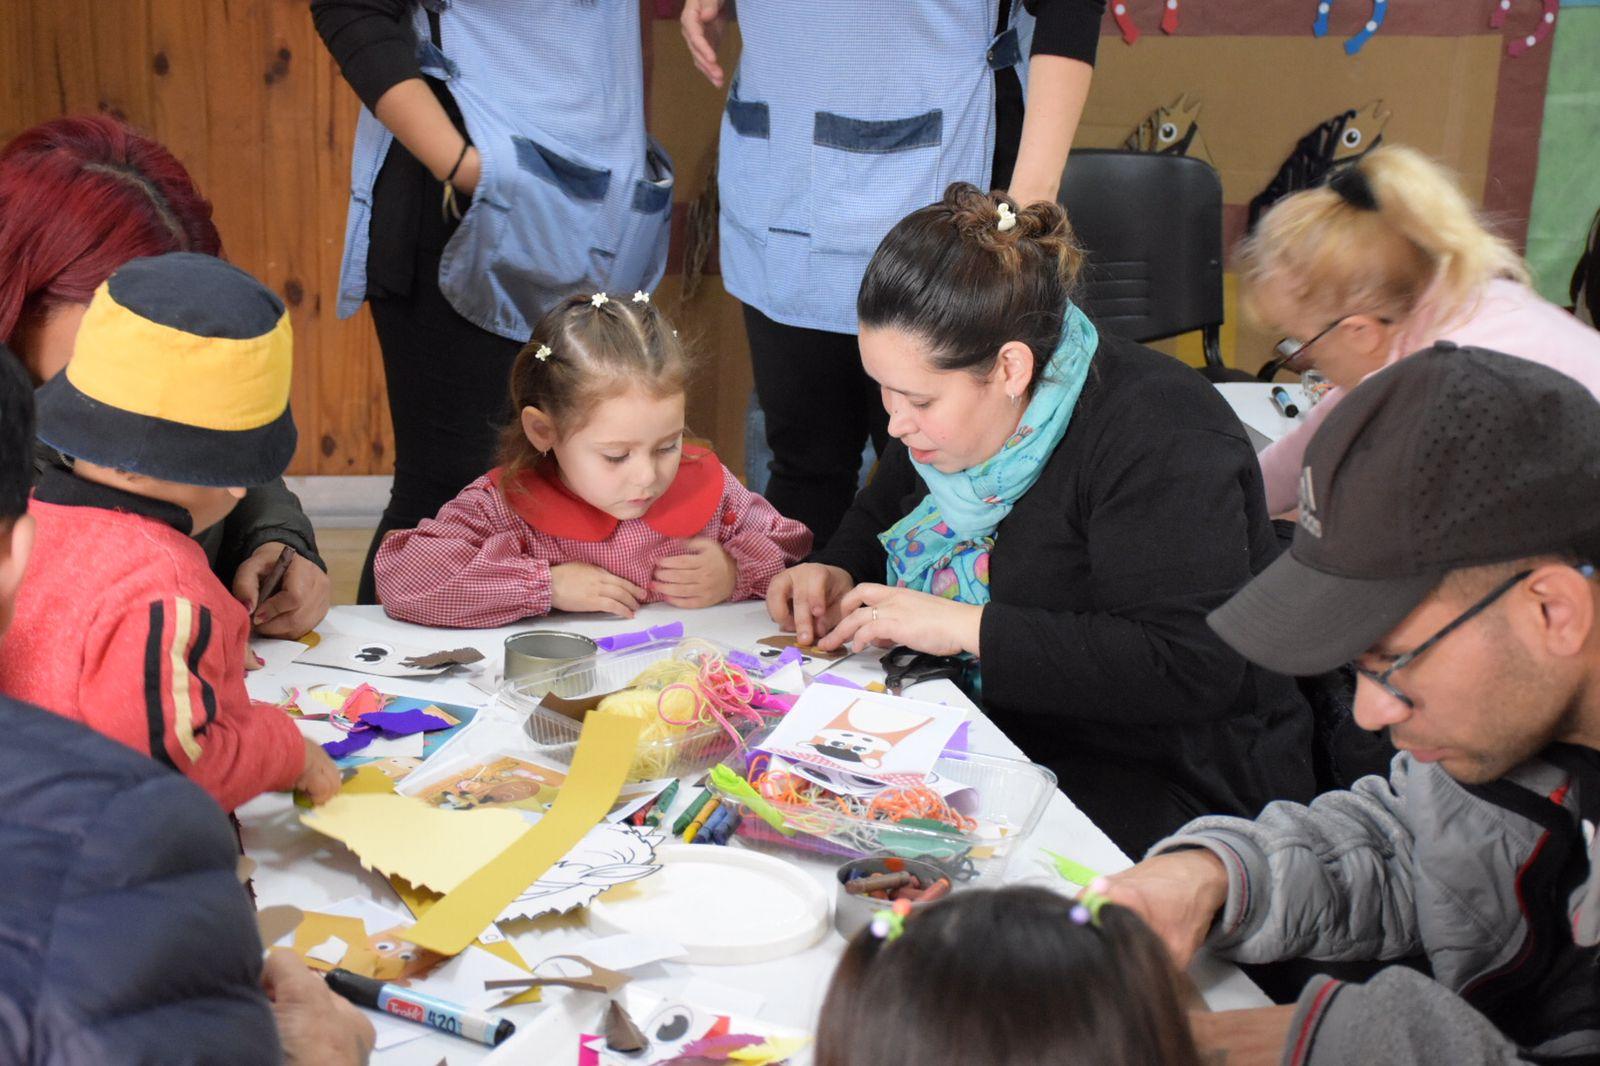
1509, 317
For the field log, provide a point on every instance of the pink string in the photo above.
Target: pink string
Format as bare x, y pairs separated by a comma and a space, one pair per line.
721, 692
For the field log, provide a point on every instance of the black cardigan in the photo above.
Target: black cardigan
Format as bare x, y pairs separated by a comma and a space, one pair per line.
1095, 647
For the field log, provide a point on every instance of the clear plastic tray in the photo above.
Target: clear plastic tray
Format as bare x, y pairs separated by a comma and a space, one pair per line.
555, 733
1011, 798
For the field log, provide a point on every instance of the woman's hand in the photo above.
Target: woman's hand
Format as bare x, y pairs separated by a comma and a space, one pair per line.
703, 576
703, 22
804, 599
884, 616
584, 587
300, 602
315, 1024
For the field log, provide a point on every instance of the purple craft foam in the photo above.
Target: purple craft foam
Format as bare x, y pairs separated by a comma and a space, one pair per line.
621, 641
791, 654
354, 742
837, 682
748, 663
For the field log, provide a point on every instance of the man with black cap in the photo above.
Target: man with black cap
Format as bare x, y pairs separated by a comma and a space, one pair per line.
1449, 523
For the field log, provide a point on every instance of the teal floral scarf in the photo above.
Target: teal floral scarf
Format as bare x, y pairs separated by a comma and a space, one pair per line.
943, 545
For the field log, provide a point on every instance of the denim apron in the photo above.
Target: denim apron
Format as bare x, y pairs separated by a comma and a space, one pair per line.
845, 116
573, 196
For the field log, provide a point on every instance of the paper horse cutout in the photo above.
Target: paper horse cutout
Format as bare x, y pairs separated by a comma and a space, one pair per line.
1172, 129
1343, 138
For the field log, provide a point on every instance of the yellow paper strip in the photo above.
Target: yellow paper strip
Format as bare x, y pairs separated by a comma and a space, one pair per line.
599, 766
420, 899
402, 835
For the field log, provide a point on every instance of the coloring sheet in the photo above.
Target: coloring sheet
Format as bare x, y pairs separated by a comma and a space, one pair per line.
865, 734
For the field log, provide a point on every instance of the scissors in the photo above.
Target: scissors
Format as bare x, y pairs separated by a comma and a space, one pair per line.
905, 666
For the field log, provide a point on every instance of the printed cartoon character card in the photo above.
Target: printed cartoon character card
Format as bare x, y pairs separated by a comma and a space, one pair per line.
865, 734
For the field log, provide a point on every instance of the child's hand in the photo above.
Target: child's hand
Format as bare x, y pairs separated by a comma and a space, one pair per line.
319, 778
702, 576
586, 587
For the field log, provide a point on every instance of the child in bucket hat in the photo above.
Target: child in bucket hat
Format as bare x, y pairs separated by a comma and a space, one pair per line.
175, 402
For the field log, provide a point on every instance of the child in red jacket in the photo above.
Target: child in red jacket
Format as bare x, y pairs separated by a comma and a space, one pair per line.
597, 505
176, 400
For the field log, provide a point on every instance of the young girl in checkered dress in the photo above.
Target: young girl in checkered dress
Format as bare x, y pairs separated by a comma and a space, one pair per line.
597, 505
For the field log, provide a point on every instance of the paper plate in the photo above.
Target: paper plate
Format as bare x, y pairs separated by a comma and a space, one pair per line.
724, 905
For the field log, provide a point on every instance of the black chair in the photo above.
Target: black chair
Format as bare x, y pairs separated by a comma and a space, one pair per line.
1152, 227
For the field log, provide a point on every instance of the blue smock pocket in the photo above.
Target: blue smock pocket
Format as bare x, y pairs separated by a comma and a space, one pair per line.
866, 170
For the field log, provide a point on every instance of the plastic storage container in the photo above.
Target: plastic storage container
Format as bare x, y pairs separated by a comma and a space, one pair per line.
1011, 798
553, 723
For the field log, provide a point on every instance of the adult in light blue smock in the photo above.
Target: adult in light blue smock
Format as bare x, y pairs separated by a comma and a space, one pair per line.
842, 118
501, 163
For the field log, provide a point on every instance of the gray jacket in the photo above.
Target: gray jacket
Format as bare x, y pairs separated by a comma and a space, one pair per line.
1419, 863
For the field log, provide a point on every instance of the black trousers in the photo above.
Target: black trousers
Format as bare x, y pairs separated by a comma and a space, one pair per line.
449, 394
820, 409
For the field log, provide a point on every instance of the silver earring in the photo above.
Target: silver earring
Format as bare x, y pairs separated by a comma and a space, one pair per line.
1014, 399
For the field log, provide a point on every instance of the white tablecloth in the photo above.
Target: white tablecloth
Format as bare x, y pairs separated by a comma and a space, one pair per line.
296, 865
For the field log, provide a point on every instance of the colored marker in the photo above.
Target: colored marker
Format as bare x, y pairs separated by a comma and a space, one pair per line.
419, 1007
1280, 400
659, 812
700, 819
689, 815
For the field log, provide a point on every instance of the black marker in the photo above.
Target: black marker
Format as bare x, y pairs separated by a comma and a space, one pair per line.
1280, 400
419, 1007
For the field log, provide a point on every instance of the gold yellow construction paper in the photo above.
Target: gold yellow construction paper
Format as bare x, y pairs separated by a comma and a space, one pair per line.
599, 767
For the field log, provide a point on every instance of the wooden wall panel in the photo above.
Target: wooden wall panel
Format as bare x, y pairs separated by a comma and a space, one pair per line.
245, 95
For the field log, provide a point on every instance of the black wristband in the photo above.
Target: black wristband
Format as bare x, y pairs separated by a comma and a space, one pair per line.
450, 177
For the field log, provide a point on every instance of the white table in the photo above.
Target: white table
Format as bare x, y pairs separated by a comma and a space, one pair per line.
1252, 402
298, 866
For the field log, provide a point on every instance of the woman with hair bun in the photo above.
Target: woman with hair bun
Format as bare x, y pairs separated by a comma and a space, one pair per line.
1384, 259
1064, 507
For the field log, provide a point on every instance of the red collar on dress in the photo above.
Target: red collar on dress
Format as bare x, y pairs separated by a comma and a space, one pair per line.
542, 500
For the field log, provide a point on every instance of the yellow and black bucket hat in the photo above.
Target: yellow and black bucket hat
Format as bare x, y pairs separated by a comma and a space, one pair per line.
181, 372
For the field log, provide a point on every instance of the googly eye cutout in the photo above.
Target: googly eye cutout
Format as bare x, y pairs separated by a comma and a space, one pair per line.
1351, 138
1169, 132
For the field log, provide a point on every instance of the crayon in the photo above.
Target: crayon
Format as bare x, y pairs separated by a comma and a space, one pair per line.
658, 811
938, 890
729, 826
878, 883
712, 823
274, 578
693, 811
700, 819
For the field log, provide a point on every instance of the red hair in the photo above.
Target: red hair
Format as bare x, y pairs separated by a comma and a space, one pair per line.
79, 197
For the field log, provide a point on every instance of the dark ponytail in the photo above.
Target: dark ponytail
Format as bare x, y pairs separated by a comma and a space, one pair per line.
949, 275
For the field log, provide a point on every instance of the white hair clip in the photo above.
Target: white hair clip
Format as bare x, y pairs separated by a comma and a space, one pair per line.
543, 354
1008, 219
641, 297
599, 299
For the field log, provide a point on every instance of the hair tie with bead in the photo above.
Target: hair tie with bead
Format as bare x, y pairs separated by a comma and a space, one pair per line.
888, 925
641, 297
1087, 910
1008, 218
543, 354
